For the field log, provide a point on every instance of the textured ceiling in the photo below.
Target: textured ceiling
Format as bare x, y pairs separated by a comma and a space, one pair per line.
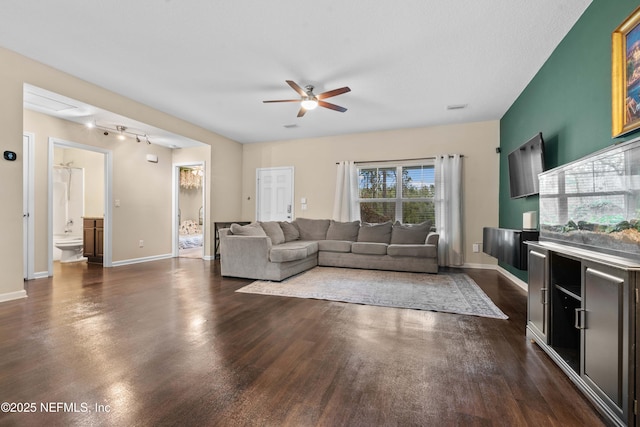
212, 63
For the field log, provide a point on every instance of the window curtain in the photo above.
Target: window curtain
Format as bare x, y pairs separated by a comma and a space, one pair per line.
448, 207
345, 205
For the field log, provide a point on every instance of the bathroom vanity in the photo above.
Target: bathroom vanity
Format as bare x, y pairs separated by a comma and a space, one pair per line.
93, 232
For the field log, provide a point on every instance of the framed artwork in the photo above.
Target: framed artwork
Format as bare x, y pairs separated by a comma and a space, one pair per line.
625, 76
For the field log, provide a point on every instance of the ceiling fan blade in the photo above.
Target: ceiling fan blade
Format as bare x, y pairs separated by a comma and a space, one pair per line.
297, 88
282, 100
331, 106
302, 111
334, 92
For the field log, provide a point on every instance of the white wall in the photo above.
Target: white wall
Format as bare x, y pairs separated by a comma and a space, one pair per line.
315, 169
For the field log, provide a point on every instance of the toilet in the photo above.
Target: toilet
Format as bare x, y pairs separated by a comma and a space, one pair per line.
71, 249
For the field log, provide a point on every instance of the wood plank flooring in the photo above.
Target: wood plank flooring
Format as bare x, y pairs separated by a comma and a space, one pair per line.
170, 343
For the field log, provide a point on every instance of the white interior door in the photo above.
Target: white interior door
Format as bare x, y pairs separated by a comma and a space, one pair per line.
28, 201
274, 198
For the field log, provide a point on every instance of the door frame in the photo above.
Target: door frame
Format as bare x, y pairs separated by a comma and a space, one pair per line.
292, 171
108, 190
28, 204
175, 205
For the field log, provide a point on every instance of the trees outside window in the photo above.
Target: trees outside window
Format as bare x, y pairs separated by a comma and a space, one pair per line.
401, 192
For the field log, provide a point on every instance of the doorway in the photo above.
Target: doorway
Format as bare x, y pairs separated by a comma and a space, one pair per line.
78, 165
189, 210
274, 194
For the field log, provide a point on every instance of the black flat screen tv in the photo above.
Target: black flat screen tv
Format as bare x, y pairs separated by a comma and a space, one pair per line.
525, 163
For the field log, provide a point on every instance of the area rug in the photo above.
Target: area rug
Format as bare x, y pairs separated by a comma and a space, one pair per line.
444, 292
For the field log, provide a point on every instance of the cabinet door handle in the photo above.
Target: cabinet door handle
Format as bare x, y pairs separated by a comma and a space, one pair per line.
579, 322
543, 296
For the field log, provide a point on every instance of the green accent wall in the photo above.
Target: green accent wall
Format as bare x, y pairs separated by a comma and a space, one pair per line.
568, 100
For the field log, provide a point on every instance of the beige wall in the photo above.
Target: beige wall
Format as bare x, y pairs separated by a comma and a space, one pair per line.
225, 158
93, 165
315, 160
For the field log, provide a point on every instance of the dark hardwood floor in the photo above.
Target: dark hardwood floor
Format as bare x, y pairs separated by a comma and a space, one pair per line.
170, 343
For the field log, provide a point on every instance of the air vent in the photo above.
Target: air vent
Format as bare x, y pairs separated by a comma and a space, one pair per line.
456, 106
291, 126
40, 101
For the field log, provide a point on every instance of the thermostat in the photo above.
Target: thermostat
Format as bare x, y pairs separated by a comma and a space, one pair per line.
10, 155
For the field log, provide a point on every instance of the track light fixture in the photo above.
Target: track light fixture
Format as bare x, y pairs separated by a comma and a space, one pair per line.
122, 132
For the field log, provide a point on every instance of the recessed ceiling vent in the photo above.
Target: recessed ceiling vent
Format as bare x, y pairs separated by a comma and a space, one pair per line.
456, 106
46, 103
291, 126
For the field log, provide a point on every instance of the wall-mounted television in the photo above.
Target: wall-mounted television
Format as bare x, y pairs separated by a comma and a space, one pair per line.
525, 163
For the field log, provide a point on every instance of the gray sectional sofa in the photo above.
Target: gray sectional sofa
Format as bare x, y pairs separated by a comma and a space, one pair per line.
277, 250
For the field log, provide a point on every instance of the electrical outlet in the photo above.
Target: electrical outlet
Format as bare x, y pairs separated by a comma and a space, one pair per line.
476, 247
141, 243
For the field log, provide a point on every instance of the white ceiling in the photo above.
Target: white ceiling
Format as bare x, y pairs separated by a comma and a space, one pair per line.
212, 63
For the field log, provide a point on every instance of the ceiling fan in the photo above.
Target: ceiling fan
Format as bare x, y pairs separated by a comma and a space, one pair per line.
308, 100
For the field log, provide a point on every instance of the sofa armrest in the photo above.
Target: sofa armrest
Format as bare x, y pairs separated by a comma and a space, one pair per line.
242, 256
432, 239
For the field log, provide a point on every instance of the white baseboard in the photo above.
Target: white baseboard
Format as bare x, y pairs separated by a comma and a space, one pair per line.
480, 266
516, 281
41, 275
208, 258
513, 278
10, 296
140, 260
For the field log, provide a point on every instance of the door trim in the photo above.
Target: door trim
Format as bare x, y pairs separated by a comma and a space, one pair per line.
28, 183
175, 206
108, 190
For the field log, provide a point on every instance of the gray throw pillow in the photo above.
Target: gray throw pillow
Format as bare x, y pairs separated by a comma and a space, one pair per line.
343, 230
252, 229
290, 231
375, 233
410, 234
274, 231
312, 229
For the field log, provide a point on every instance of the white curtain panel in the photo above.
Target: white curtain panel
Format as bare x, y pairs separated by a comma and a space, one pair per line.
345, 205
448, 205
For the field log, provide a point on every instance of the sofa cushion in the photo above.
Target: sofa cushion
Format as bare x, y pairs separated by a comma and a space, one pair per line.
343, 230
375, 233
334, 246
274, 231
410, 234
312, 229
418, 251
292, 251
290, 231
369, 248
252, 229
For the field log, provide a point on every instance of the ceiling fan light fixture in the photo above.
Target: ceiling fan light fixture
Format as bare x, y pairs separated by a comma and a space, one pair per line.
309, 103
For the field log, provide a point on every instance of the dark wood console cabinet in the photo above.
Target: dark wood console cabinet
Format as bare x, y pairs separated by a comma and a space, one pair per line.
508, 245
93, 233
583, 312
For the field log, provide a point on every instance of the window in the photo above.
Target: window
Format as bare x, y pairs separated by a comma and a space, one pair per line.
400, 192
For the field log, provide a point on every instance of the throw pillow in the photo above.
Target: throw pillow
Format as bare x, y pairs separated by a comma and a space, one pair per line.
312, 229
273, 230
290, 231
343, 230
410, 234
375, 233
252, 229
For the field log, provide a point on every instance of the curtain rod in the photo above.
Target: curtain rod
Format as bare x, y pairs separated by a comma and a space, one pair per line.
399, 160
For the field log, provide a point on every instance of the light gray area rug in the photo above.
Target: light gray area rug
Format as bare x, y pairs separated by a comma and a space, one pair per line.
445, 292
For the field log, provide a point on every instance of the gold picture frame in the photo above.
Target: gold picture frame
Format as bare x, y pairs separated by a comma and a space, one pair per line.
625, 76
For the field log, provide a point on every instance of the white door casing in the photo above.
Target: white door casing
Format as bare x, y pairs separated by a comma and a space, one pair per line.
28, 202
274, 194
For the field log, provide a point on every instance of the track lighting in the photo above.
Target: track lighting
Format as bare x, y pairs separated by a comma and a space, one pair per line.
122, 131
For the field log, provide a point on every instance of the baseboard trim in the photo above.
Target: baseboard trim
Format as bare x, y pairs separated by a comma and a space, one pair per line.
480, 266
10, 296
208, 258
41, 275
517, 281
140, 260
